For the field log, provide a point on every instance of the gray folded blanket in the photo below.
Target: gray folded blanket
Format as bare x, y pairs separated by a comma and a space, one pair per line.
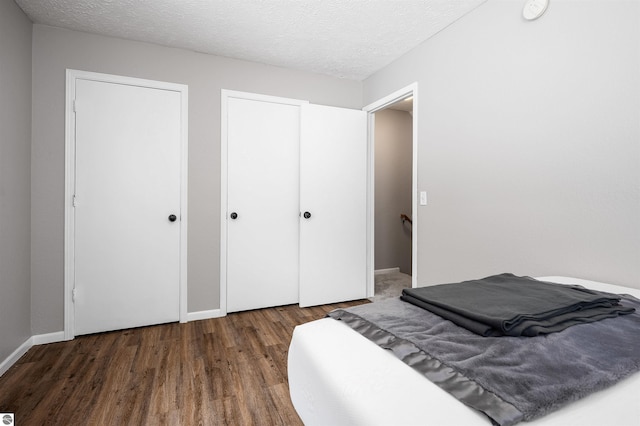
509, 379
507, 305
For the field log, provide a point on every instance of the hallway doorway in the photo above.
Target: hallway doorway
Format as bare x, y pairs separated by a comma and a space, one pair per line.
392, 207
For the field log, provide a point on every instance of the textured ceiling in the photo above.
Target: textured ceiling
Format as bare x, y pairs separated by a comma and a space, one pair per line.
342, 38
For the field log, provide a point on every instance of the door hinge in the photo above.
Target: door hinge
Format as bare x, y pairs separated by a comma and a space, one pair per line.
73, 294
74, 201
74, 105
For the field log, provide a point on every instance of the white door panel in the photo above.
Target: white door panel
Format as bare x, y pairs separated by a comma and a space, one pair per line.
333, 166
127, 264
263, 190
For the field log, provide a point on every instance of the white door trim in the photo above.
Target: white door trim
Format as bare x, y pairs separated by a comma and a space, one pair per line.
224, 98
70, 157
410, 90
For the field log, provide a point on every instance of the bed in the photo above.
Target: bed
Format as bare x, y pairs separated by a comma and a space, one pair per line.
339, 377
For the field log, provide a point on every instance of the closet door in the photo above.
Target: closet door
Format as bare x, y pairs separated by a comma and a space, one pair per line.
333, 170
262, 203
127, 211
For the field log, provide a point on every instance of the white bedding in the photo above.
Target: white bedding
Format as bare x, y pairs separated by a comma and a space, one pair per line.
338, 377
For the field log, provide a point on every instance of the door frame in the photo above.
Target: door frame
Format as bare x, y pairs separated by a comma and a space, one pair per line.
225, 95
371, 109
72, 76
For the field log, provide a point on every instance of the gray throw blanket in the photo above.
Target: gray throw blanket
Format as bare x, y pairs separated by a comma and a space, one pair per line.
515, 306
508, 378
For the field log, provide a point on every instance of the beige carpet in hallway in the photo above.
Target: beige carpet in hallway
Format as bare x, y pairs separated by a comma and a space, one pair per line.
390, 284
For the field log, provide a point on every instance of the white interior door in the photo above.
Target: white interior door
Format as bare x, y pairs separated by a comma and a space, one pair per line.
262, 203
333, 170
127, 250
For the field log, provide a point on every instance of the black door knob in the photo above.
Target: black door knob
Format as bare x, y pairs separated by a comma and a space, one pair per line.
306, 215
172, 218
233, 215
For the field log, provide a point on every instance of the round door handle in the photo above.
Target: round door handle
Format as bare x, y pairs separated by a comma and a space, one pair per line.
234, 215
306, 215
172, 218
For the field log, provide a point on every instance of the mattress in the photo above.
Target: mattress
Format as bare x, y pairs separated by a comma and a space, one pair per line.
338, 377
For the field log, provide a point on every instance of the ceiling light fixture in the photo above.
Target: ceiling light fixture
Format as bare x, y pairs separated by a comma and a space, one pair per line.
533, 9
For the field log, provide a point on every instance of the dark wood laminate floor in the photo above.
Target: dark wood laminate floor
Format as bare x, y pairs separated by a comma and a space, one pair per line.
230, 370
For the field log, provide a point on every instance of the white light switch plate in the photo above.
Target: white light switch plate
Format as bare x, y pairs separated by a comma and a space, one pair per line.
423, 198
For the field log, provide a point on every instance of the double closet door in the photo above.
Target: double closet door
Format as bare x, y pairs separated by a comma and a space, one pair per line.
295, 217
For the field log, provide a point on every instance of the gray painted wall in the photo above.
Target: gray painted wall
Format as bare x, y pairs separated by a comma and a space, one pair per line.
393, 166
15, 160
55, 50
529, 142
528, 146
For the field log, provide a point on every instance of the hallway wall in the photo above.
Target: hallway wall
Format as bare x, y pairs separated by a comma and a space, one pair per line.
393, 181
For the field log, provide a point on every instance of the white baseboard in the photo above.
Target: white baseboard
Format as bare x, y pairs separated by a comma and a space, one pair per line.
202, 315
15, 356
43, 339
386, 271
38, 339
